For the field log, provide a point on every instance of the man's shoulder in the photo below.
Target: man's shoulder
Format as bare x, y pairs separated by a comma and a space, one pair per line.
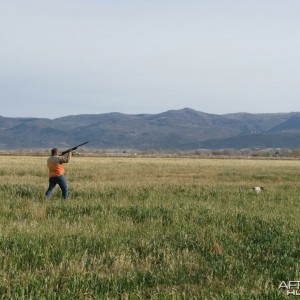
52, 158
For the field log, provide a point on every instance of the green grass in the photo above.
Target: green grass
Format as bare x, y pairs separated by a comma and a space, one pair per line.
149, 228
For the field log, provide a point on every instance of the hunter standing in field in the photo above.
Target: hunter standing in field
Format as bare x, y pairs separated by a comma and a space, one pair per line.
55, 165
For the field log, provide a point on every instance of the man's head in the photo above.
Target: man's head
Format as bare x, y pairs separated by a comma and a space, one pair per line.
54, 151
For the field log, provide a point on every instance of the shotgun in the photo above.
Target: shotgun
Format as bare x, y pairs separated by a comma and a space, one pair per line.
72, 149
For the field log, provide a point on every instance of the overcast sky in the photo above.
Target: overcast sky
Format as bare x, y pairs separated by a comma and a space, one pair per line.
66, 57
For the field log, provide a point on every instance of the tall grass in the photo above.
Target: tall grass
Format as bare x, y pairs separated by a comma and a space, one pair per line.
149, 228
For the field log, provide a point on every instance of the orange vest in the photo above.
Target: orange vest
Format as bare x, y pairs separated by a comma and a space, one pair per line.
55, 167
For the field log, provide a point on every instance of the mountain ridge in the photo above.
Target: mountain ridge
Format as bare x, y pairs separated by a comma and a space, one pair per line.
172, 130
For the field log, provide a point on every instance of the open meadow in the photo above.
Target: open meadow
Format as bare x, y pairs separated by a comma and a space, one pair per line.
150, 228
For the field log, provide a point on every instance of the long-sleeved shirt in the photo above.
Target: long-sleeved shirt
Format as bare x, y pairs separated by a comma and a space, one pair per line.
55, 164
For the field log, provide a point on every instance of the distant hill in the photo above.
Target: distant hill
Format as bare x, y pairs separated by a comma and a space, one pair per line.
173, 130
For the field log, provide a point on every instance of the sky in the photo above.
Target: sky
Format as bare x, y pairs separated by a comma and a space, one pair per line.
69, 57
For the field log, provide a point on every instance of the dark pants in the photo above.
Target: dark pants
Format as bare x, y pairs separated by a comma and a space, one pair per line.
60, 180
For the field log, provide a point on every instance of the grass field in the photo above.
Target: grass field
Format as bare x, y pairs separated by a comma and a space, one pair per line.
149, 228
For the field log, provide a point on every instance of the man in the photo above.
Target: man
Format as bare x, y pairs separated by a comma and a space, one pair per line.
56, 173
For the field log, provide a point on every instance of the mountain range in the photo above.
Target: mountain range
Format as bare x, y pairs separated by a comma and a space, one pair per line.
173, 130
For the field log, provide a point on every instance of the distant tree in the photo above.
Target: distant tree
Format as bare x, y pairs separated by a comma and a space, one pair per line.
296, 152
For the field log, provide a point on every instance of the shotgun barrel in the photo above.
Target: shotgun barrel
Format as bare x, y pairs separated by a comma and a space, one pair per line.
72, 149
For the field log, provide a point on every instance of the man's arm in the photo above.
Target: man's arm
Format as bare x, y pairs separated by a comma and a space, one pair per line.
65, 158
